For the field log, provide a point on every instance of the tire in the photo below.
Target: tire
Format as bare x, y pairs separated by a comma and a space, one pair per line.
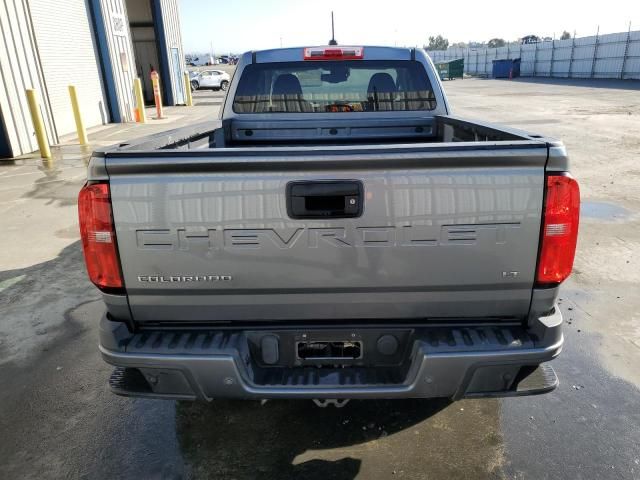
194, 85
224, 85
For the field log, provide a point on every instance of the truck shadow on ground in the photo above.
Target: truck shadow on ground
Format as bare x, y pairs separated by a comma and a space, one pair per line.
72, 426
291, 439
35, 300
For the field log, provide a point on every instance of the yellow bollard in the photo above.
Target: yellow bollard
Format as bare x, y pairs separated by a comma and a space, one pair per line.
82, 133
38, 124
187, 89
137, 86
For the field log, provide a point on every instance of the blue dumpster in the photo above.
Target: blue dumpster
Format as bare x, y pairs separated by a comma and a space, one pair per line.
507, 68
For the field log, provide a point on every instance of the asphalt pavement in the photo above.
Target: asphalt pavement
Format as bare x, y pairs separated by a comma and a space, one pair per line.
58, 418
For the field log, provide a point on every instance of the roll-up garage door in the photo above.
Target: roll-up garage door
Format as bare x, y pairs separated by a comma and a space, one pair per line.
68, 55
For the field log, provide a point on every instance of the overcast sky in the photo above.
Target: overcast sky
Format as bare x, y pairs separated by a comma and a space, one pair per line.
240, 25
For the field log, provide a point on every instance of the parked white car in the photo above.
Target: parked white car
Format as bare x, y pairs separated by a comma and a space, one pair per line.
216, 79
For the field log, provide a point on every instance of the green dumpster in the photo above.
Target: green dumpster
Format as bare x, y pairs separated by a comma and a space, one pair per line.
450, 69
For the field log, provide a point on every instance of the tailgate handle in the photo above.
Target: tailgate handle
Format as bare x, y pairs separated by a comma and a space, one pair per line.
325, 199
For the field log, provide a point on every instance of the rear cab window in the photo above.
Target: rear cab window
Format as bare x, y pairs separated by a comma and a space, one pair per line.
334, 87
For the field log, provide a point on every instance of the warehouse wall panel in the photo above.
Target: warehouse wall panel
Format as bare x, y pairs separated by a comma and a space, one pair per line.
68, 55
48, 44
20, 69
120, 53
174, 52
613, 55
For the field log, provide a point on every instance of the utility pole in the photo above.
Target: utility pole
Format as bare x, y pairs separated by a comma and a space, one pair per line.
626, 52
595, 53
553, 49
573, 47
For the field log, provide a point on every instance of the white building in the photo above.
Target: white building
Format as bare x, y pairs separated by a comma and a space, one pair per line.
99, 46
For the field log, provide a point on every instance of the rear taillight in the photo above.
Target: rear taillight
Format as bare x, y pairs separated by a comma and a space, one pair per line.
559, 229
99, 237
334, 53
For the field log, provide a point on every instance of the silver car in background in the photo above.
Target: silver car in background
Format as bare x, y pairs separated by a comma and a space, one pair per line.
215, 79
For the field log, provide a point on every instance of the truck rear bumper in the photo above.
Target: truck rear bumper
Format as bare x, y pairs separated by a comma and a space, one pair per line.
453, 362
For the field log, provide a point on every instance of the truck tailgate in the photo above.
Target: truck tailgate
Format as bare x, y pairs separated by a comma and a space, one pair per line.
445, 231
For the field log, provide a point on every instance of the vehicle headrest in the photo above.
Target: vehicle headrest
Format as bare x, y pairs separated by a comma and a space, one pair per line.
381, 83
287, 84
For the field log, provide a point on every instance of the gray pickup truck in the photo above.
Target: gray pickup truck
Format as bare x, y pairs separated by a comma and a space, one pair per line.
336, 234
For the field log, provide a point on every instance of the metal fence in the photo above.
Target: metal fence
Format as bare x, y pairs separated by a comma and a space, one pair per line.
615, 55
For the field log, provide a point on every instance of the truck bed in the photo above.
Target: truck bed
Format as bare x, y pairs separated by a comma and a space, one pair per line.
356, 129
